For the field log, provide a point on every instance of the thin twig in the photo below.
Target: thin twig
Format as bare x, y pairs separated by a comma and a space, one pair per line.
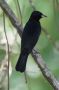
25, 76
19, 11
32, 5
26, 80
49, 38
7, 44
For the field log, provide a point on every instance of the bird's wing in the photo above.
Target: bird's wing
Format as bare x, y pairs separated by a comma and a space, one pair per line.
29, 37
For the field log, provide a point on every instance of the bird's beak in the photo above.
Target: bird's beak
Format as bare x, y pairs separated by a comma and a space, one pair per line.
43, 15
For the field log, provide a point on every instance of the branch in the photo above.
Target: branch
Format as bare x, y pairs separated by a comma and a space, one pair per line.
43, 67
45, 71
11, 16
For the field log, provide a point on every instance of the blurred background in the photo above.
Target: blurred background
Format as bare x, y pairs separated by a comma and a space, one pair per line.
48, 45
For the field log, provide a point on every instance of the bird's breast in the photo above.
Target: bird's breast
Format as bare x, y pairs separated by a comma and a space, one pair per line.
34, 28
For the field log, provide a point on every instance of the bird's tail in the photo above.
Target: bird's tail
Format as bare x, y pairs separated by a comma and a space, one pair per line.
21, 64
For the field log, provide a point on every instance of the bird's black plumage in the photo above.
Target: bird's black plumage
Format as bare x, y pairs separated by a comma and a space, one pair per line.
29, 39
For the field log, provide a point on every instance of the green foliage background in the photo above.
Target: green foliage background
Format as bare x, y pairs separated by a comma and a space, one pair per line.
48, 47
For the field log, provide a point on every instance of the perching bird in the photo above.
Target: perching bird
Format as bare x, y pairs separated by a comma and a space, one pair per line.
29, 39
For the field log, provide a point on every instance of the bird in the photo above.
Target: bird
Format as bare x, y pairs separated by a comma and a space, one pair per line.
29, 39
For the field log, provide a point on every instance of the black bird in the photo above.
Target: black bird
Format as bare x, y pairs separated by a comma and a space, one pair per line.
29, 39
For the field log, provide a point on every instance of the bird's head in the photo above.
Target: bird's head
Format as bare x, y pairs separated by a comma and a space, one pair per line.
36, 15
